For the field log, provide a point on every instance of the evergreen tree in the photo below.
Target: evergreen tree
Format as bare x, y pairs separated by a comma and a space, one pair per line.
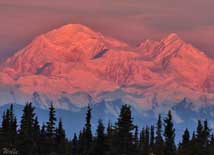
99, 146
206, 133
12, 126
36, 128
159, 142
193, 147
136, 140
144, 144
60, 138
36, 135
142, 141
184, 146
87, 133
152, 139
14, 131
199, 141
202, 139
26, 133
81, 143
43, 131
51, 122
51, 131
43, 141
8, 131
169, 134
109, 138
74, 145
123, 141
147, 139
200, 129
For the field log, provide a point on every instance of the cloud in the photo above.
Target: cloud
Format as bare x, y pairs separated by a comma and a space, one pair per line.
129, 20
202, 37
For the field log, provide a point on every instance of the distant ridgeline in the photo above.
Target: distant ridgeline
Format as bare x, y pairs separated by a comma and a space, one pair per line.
123, 137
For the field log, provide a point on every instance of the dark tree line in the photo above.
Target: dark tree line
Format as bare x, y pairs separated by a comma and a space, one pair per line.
121, 138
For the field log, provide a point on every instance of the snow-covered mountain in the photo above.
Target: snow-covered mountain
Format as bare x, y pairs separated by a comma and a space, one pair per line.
74, 65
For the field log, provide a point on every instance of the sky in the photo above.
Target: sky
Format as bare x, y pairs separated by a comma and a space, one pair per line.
132, 21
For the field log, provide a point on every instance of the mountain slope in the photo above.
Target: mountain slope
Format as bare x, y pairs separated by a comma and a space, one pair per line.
182, 61
74, 65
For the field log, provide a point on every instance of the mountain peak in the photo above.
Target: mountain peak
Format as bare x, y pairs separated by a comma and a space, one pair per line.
173, 37
163, 48
74, 28
72, 43
69, 31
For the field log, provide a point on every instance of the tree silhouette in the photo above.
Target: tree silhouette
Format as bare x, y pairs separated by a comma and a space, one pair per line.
169, 134
74, 145
60, 138
26, 133
8, 132
99, 147
51, 122
185, 144
120, 139
87, 133
159, 142
123, 141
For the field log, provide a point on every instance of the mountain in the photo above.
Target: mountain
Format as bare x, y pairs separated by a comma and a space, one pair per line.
73, 66
186, 64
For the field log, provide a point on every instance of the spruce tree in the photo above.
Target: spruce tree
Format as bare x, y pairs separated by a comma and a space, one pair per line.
81, 143
51, 122
169, 134
199, 142
8, 131
184, 146
144, 141
36, 128
193, 147
205, 137
43, 141
99, 147
87, 133
60, 138
43, 131
51, 131
36, 135
123, 141
159, 142
206, 133
152, 139
12, 126
109, 138
200, 133
136, 140
26, 133
74, 145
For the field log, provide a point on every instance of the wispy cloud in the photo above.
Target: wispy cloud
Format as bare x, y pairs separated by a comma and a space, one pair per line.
129, 20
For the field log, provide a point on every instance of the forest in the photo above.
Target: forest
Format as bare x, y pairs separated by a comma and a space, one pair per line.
122, 137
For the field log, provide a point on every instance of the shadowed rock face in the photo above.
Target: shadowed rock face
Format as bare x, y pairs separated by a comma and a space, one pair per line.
76, 65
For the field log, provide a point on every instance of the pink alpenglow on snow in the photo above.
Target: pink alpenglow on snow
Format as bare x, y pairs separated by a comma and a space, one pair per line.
80, 64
